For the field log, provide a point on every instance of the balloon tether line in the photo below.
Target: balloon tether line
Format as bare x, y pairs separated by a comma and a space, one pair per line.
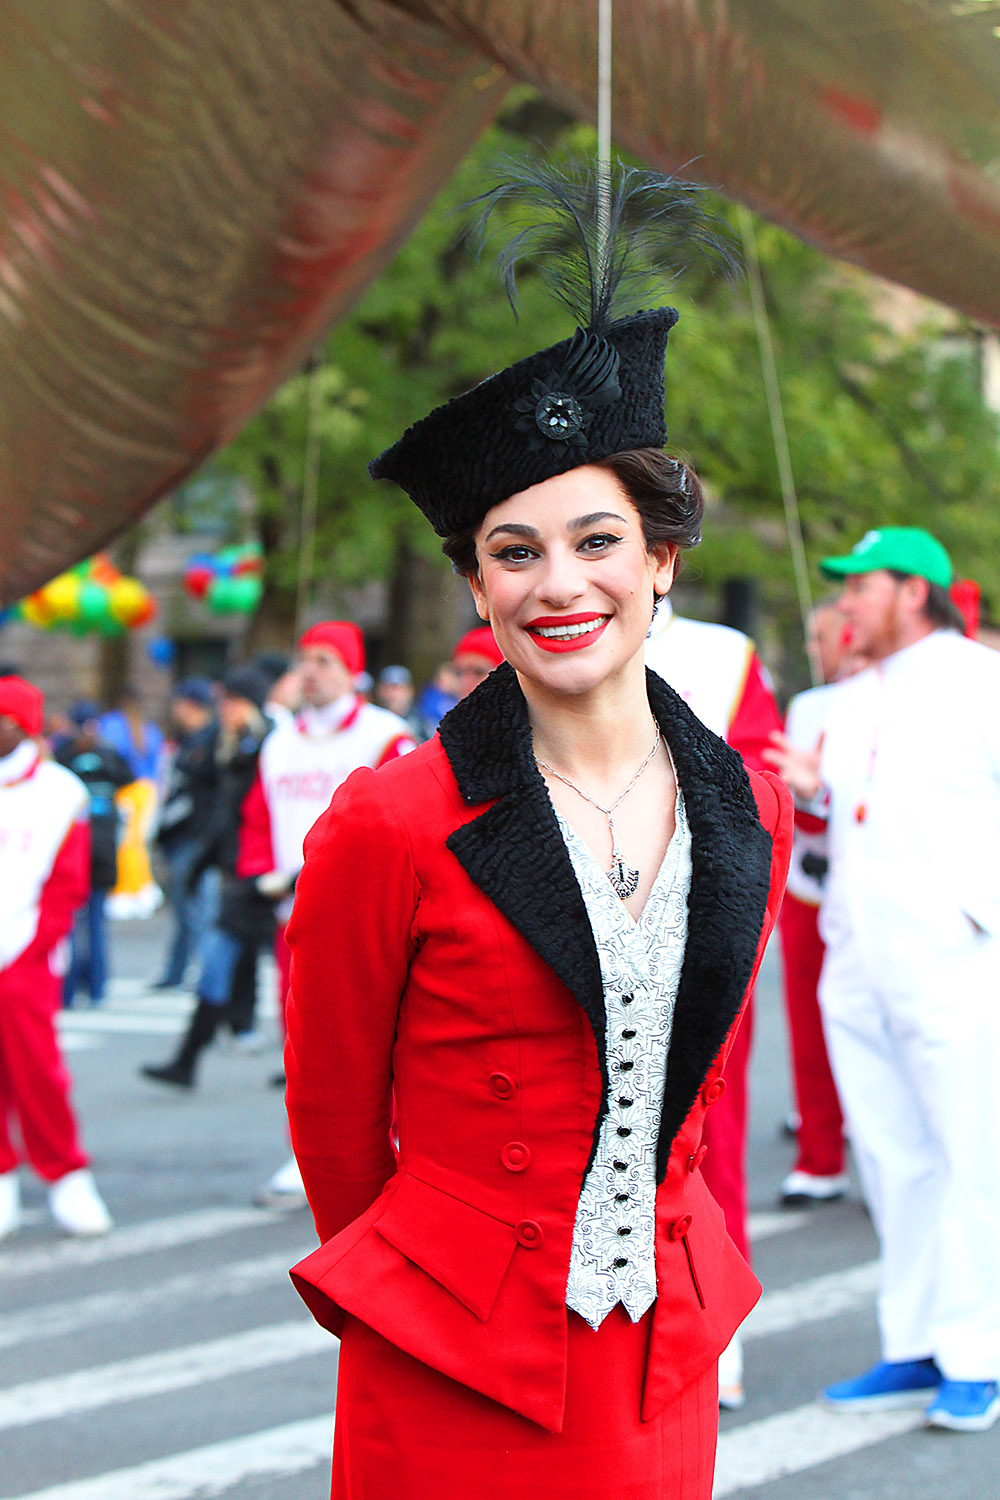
779, 435
310, 491
604, 18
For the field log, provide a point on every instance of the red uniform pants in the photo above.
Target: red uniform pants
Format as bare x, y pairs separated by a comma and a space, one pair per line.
34, 1083
821, 1133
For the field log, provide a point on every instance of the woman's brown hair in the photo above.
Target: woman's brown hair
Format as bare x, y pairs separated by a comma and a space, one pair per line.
664, 490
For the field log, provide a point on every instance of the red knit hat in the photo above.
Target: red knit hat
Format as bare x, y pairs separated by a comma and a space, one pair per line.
342, 636
479, 642
22, 702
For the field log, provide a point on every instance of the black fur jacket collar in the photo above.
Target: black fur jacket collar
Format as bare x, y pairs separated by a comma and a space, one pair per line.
514, 850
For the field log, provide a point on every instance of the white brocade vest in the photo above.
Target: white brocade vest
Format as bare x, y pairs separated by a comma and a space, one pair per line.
613, 1258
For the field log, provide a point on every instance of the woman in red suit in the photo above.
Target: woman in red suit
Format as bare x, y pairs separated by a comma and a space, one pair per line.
534, 935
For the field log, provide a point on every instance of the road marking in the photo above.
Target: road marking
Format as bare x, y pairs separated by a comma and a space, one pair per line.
812, 1301
202, 1473
100, 1309
85, 1022
136, 1239
78, 1041
765, 1225
153, 1374
792, 1441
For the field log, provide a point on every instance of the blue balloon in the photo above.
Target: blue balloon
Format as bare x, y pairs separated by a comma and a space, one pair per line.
161, 651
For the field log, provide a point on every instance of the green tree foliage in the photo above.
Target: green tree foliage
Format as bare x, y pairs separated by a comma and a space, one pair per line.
885, 427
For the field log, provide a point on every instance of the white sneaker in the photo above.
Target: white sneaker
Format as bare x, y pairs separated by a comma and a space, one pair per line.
807, 1187
10, 1204
732, 1397
77, 1206
284, 1190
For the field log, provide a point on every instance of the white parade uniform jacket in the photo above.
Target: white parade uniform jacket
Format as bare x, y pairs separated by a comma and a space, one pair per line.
306, 758
41, 805
707, 664
910, 990
805, 723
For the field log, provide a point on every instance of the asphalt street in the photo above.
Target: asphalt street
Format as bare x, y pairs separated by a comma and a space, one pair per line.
173, 1361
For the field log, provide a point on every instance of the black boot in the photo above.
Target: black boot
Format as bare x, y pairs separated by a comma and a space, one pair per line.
180, 1070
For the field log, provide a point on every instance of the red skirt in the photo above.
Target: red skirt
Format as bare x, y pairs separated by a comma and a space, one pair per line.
404, 1430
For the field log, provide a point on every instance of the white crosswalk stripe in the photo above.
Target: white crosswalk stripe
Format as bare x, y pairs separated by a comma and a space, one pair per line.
211, 1470
133, 1239
751, 1456
793, 1441
154, 1374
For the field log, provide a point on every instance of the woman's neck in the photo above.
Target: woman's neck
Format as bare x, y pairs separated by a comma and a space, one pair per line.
594, 735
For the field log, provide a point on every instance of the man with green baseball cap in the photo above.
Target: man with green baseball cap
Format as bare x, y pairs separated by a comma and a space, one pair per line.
897, 549
907, 775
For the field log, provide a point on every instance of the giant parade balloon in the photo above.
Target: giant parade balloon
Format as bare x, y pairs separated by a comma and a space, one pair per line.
191, 192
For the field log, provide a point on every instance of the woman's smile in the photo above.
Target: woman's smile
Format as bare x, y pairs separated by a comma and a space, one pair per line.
567, 632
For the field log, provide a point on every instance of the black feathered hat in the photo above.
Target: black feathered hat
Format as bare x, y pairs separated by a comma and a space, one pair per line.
593, 241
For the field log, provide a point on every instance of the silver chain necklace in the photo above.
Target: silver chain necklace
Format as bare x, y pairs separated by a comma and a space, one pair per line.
624, 879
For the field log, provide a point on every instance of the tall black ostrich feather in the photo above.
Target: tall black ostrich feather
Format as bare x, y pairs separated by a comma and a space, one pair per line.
602, 261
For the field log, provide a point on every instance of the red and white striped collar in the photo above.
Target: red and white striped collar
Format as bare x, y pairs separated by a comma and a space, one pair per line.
21, 764
331, 718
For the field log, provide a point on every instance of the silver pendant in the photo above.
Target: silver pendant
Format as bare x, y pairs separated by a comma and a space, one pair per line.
624, 880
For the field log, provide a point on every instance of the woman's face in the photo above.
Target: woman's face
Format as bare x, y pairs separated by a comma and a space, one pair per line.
566, 581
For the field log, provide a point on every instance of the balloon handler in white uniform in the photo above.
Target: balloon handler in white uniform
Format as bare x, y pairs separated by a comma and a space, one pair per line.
909, 771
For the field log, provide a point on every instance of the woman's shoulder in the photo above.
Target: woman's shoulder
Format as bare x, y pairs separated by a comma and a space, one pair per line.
414, 794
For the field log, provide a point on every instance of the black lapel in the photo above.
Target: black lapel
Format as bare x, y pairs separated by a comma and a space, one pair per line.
730, 880
515, 854
514, 851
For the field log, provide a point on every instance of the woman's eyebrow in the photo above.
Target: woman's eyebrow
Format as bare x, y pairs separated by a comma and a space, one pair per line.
517, 528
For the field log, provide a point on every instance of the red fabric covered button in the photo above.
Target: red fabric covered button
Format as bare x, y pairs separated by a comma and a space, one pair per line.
713, 1092
529, 1234
502, 1085
515, 1156
696, 1158
679, 1227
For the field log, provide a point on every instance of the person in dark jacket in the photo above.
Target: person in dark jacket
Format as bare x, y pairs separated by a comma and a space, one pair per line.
237, 842
184, 816
102, 771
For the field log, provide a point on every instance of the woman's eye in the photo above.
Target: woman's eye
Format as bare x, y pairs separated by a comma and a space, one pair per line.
513, 554
599, 543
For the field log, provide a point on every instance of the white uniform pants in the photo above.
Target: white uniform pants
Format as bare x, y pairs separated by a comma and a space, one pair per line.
917, 1062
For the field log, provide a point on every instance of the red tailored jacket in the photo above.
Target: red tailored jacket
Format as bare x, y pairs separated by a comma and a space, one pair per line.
441, 950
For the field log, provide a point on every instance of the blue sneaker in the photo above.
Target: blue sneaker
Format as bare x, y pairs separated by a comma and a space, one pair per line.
884, 1386
964, 1405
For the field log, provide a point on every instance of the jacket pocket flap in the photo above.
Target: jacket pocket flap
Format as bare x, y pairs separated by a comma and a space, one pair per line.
462, 1248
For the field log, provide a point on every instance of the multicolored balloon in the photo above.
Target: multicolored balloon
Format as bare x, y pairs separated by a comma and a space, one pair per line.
229, 582
92, 596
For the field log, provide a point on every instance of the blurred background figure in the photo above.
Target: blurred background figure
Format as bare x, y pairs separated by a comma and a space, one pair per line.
284, 694
43, 816
394, 690
908, 775
717, 671
103, 772
433, 702
141, 743
184, 816
474, 658
236, 841
818, 1174
302, 764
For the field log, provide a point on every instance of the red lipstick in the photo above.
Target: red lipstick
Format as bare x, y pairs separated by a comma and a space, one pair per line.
574, 642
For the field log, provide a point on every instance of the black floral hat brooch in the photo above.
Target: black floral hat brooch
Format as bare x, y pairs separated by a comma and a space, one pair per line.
596, 244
